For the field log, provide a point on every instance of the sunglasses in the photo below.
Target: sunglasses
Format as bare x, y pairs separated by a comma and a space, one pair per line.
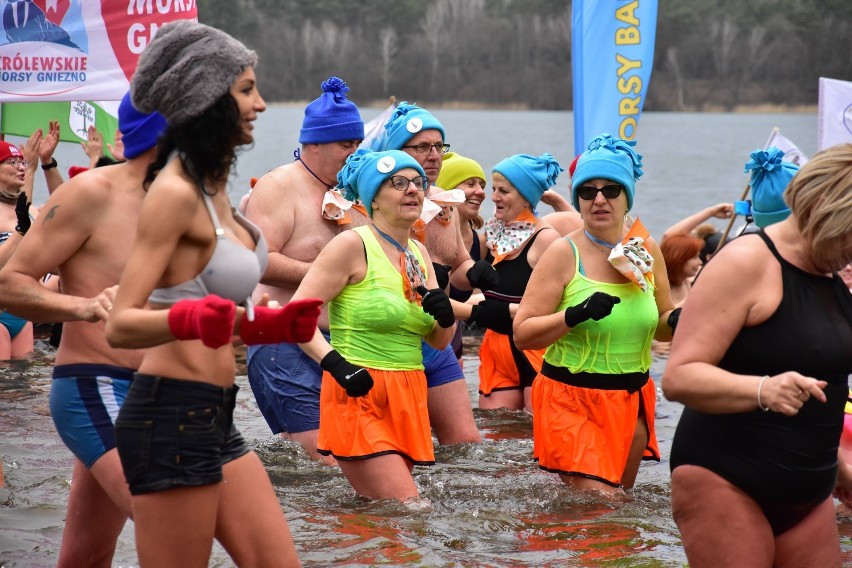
589, 192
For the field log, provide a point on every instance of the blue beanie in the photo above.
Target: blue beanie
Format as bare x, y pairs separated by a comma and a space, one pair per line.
531, 176
331, 117
769, 178
365, 170
608, 158
139, 131
406, 121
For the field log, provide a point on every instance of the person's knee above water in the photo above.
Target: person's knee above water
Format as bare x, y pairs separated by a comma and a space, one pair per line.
421, 135
193, 261
761, 364
383, 302
515, 238
595, 300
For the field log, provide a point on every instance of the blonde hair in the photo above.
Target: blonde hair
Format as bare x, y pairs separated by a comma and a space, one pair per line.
820, 197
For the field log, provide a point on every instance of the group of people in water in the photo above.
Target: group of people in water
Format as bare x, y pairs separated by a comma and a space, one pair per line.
349, 275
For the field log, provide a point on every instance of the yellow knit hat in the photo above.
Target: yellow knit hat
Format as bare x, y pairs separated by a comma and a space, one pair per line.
456, 169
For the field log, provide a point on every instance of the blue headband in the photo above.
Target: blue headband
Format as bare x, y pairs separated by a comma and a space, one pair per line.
139, 131
365, 171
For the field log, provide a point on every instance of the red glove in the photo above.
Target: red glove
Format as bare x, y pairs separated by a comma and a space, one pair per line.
296, 322
210, 319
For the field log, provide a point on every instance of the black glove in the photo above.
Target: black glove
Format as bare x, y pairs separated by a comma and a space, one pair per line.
493, 315
437, 304
673, 318
596, 307
22, 210
482, 275
355, 380
442, 274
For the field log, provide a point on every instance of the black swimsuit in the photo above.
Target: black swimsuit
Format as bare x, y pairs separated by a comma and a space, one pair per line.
787, 464
514, 275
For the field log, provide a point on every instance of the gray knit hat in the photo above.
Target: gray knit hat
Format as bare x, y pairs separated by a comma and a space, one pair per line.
186, 68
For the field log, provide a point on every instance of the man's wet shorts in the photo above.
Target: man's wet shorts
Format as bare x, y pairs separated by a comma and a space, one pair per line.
286, 385
176, 433
84, 403
441, 367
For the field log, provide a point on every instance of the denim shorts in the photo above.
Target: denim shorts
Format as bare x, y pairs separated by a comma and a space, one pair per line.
176, 433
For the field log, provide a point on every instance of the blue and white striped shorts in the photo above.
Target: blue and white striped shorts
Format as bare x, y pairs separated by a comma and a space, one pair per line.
84, 403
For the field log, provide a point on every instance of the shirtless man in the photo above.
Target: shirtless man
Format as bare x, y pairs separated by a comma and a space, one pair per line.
418, 133
287, 205
87, 229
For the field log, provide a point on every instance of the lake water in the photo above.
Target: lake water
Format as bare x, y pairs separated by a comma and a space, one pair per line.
692, 160
491, 505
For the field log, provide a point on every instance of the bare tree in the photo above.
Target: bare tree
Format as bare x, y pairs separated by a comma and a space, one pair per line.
388, 43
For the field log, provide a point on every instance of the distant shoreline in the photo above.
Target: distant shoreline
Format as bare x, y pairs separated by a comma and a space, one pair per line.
766, 108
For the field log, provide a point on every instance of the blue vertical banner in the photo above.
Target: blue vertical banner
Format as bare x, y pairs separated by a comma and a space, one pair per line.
612, 56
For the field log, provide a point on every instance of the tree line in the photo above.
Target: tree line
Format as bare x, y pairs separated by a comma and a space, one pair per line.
709, 54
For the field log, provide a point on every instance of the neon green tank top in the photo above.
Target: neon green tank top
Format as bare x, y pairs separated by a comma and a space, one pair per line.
371, 322
617, 344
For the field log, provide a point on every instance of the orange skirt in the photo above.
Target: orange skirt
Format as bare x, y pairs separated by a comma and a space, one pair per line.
497, 368
588, 432
391, 419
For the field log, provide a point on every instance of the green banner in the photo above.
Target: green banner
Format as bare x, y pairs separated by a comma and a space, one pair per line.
22, 119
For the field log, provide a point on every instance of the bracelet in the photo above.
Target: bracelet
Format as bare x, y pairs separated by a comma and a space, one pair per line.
760, 386
49, 166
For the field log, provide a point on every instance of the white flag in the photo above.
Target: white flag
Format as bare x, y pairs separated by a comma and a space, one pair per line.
374, 130
835, 112
791, 151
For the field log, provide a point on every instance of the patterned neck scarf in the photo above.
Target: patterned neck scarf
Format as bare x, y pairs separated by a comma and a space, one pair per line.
412, 273
632, 259
505, 238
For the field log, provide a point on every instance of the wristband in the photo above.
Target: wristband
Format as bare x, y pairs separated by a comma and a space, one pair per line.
49, 166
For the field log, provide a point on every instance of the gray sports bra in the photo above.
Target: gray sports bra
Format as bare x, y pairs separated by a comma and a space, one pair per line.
232, 273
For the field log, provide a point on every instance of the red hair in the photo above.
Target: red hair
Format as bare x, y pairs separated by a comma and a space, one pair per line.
677, 250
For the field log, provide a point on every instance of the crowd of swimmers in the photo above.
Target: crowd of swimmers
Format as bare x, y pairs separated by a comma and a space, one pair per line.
349, 274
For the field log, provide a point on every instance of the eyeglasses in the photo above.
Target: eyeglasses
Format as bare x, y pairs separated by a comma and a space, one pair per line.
589, 192
16, 163
401, 183
424, 148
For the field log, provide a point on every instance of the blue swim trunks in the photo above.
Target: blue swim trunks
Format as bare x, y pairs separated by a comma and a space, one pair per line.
84, 403
441, 367
286, 385
13, 324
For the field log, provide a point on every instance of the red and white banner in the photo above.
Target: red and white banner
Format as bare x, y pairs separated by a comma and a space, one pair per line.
73, 50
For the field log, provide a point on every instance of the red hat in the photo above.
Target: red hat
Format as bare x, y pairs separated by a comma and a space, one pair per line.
573, 165
74, 170
8, 151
